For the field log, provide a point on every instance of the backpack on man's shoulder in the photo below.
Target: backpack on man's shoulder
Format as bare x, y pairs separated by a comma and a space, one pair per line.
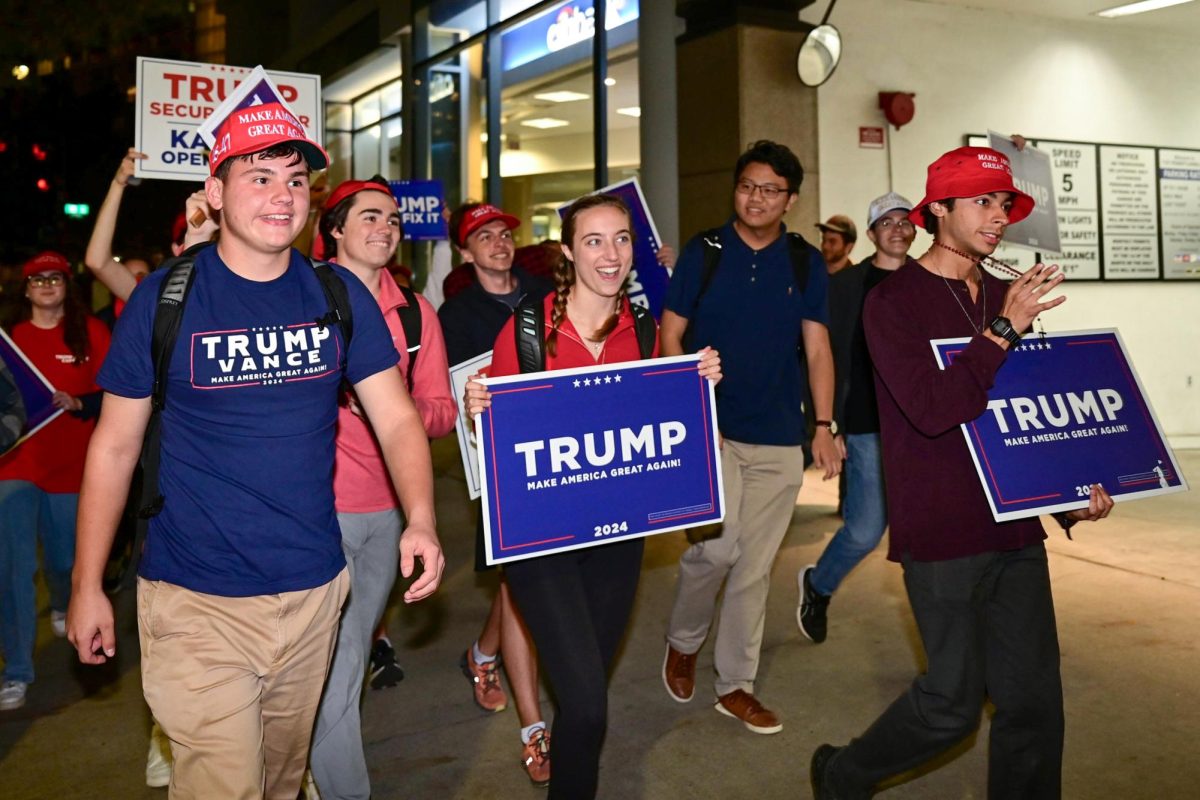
799, 254
529, 325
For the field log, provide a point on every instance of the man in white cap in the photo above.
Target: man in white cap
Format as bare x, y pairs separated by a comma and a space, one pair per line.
242, 577
864, 510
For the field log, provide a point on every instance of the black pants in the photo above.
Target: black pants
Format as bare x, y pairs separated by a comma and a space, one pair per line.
576, 605
987, 625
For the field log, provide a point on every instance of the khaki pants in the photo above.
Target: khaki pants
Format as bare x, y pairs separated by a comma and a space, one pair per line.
761, 483
235, 682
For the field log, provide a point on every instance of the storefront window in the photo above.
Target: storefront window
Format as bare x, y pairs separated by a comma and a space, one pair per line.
457, 93
548, 153
451, 21
337, 117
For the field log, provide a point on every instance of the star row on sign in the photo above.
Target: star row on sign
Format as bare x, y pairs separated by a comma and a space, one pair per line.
1032, 346
596, 381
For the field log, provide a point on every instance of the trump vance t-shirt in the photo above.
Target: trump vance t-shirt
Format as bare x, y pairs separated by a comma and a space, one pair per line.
248, 428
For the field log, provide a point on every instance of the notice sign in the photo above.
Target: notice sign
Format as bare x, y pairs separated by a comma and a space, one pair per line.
1077, 193
1179, 199
421, 204
581, 457
1067, 411
871, 138
1129, 212
176, 97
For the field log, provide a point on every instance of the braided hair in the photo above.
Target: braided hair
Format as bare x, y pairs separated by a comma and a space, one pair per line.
564, 270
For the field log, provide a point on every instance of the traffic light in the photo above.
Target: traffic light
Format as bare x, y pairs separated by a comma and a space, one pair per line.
39, 152
77, 210
43, 185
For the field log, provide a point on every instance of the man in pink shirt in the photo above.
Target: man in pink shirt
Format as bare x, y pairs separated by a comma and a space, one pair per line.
360, 230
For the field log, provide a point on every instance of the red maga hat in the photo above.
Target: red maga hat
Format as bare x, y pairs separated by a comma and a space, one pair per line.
344, 189
47, 261
348, 188
257, 128
970, 172
481, 215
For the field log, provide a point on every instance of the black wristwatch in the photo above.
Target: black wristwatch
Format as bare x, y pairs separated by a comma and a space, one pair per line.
1004, 329
828, 423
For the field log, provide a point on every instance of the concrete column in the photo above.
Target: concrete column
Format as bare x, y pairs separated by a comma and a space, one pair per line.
659, 129
736, 85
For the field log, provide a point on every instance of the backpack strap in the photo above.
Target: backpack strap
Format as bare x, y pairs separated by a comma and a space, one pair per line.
338, 297
710, 241
799, 253
645, 328
168, 316
529, 325
712, 258
410, 322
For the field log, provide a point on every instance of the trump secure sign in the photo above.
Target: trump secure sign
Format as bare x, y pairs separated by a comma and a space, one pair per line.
176, 97
1066, 411
581, 457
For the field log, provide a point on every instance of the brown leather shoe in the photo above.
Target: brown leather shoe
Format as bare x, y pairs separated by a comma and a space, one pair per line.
679, 674
745, 706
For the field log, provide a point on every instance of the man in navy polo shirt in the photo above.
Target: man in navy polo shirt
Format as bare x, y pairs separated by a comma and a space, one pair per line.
242, 577
753, 311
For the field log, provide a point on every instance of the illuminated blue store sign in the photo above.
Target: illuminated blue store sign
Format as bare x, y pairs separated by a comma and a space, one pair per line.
562, 26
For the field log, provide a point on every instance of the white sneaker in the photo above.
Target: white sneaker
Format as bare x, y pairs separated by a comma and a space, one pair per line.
158, 760
58, 621
310, 787
12, 695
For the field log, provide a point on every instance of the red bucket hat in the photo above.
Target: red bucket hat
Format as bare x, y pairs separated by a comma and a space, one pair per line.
48, 261
256, 128
479, 216
970, 172
344, 189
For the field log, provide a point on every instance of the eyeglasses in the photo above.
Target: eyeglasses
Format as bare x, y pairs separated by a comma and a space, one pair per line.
899, 224
769, 191
37, 281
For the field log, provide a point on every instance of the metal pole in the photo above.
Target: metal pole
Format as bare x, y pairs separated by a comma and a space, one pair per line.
600, 93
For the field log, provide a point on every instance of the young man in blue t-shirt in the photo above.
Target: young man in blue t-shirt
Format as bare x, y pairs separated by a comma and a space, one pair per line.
242, 577
752, 310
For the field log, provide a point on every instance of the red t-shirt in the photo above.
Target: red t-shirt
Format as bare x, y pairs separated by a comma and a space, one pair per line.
53, 457
621, 345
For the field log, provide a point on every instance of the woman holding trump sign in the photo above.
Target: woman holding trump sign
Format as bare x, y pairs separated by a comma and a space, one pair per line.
577, 603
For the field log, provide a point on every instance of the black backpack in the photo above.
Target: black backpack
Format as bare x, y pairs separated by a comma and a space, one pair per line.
530, 322
410, 322
799, 252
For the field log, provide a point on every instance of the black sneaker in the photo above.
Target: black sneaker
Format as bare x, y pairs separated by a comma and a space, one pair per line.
817, 769
810, 614
385, 672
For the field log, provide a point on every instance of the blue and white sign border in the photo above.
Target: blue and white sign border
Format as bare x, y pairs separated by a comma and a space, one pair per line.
667, 364
995, 497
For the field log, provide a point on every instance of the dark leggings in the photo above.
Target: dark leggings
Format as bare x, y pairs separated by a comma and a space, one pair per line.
576, 605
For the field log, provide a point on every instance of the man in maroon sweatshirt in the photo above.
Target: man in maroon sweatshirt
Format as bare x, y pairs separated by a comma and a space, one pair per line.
979, 589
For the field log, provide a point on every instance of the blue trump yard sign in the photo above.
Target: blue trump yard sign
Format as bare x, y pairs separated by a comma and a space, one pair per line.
648, 279
421, 204
581, 457
36, 392
1066, 411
